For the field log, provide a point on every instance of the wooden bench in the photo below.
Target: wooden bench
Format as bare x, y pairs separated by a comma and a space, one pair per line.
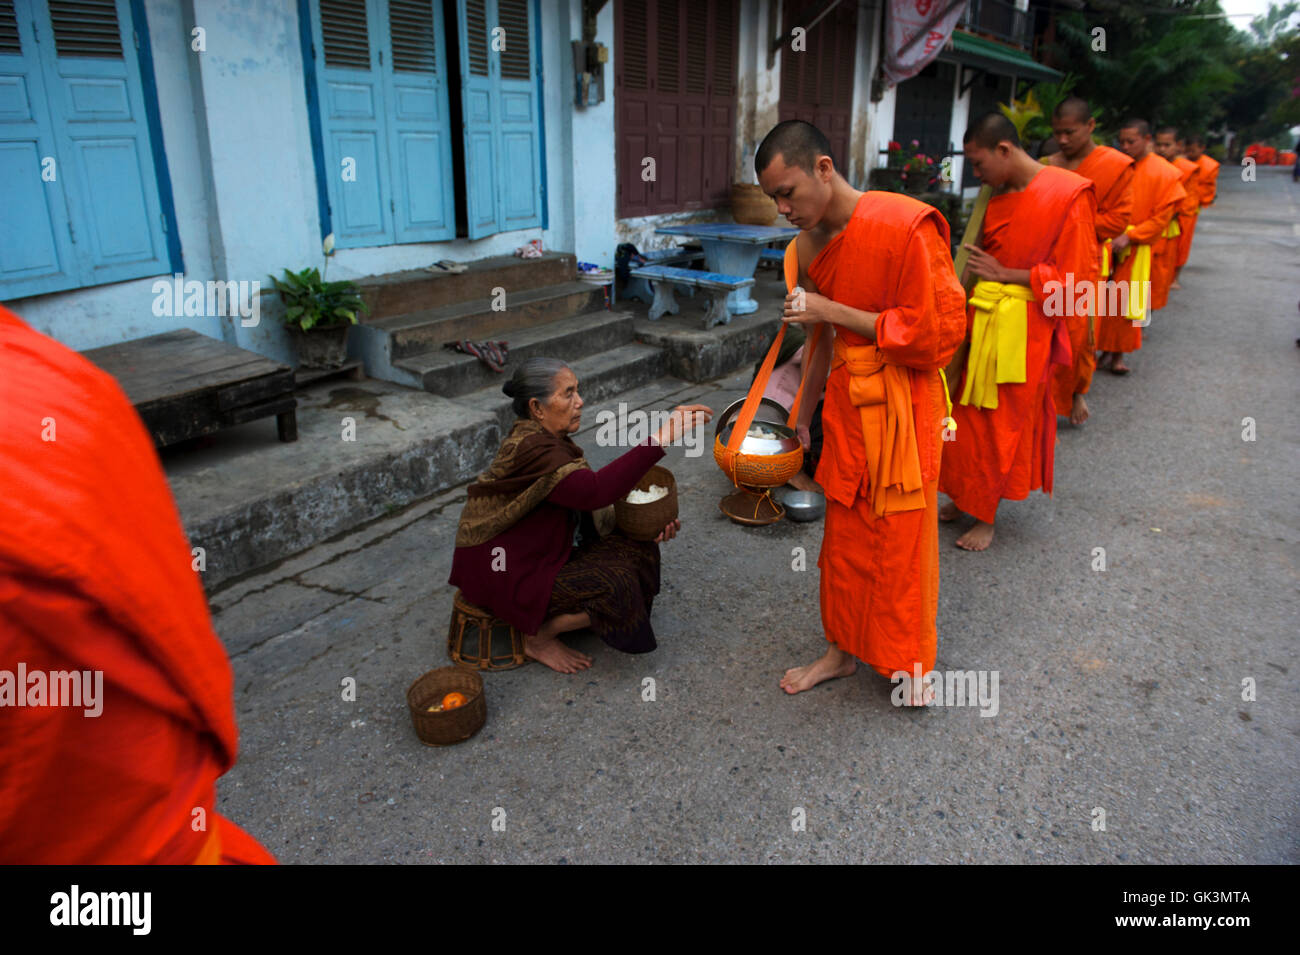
184, 385
665, 278
674, 257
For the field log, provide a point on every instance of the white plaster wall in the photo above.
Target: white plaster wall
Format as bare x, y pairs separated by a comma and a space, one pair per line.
591, 152
237, 139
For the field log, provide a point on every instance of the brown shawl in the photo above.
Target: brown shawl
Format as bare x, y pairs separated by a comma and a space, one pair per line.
530, 463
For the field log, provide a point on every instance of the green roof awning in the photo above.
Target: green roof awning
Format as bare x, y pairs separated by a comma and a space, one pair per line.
970, 50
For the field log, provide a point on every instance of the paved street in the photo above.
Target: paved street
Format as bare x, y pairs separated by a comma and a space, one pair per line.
1118, 690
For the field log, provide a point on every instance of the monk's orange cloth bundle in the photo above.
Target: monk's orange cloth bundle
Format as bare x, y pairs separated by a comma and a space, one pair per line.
1003, 453
96, 575
880, 549
1111, 172
1156, 195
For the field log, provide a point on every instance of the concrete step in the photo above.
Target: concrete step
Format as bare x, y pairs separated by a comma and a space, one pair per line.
422, 331
696, 354
415, 290
445, 372
599, 377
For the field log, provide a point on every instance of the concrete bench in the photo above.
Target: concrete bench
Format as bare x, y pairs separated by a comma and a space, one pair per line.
665, 278
774, 256
673, 257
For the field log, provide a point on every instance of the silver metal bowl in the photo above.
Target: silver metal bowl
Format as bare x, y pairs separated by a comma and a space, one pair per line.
771, 416
803, 505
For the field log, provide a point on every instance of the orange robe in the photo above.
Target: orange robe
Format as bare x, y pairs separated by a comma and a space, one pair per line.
1111, 172
1002, 453
1190, 206
95, 575
1209, 180
1156, 194
880, 574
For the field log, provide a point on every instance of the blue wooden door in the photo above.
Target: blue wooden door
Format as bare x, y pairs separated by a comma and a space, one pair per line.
502, 124
71, 91
419, 127
351, 89
381, 77
36, 250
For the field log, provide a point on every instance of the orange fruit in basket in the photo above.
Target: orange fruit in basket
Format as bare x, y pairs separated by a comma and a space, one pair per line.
453, 700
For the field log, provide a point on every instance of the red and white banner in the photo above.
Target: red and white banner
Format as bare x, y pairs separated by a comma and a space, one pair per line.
915, 33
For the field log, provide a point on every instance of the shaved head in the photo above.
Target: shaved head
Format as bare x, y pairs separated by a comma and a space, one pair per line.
1073, 107
1168, 131
1141, 125
797, 143
1196, 139
989, 130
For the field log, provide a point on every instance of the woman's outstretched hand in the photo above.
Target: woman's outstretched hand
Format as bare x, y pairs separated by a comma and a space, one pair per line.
681, 419
669, 531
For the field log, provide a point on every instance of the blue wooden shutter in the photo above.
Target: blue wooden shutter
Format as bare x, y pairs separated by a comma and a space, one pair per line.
419, 133
346, 39
501, 110
106, 158
71, 90
36, 250
478, 102
519, 187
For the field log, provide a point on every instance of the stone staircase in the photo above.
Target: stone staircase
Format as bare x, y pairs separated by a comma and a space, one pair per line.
547, 312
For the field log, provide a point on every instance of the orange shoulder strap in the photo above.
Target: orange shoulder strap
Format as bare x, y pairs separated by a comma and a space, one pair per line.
746, 416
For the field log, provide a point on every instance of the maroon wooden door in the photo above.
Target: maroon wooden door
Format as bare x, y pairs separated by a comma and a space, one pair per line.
675, 103
817, 82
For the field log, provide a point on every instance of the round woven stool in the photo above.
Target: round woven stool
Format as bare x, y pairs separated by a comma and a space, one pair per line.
479, 640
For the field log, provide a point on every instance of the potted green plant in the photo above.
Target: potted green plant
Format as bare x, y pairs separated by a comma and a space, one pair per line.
317, 315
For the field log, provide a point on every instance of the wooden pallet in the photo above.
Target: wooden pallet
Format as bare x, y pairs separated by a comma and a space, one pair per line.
185, 385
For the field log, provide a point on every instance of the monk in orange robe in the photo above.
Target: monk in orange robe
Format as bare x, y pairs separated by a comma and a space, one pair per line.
1209, 178
99, 598
876, 287
1156, 197
1169, 145
1038, 250
1111, 172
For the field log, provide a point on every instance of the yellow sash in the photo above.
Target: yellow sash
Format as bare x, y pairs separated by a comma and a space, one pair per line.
1139, 281
998, 340
882, 394
1105, 259
1172, 231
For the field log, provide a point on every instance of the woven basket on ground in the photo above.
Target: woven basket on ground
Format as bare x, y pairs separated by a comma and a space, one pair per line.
448, 726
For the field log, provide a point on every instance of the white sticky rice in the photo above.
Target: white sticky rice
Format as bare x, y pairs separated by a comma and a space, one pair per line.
758, 431
637, 496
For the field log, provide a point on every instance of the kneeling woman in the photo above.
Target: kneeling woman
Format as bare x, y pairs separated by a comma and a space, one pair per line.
527, 548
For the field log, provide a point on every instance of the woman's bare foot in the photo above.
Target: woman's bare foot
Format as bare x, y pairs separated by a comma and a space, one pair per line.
553, 653
834, 663
949, 512
1079, 413
977, 538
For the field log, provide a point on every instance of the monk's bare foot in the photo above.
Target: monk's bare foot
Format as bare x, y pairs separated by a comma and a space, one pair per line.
917, 692
977, 538
949, 512
1117, 367
1079, 412
1104, 358
833, 664
553, 653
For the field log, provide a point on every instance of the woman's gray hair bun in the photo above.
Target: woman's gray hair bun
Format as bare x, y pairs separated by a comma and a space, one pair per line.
533, 378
